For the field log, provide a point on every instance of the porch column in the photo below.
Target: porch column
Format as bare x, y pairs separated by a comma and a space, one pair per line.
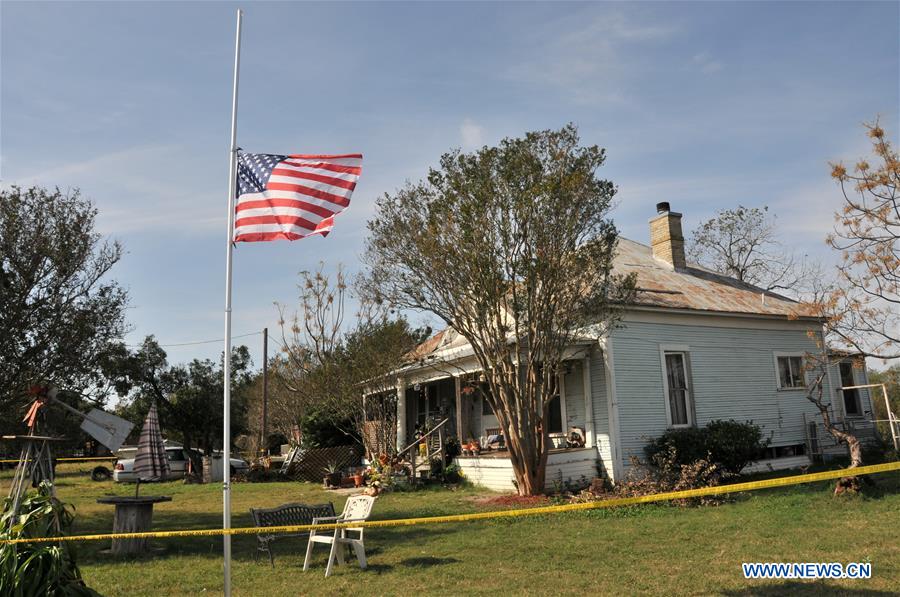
401, 413
588, 402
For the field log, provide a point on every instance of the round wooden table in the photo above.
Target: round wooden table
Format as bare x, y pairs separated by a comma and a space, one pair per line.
133, 515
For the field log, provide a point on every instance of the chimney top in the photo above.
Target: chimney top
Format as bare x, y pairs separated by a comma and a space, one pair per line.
666, 238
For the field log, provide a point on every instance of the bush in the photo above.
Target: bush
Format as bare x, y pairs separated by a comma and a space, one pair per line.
734, 445
727, 444
39, 568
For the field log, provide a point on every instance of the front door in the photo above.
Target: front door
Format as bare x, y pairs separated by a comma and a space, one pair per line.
426, 405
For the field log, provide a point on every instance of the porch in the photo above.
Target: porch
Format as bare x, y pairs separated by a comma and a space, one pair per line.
427, 396
455, 396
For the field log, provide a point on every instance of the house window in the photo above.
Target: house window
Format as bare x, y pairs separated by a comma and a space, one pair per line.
851, 397
678, 391
790, 372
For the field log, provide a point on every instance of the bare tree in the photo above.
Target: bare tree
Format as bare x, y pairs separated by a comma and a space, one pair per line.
863, 309
815, 395
512, 247
743, 243
340, 368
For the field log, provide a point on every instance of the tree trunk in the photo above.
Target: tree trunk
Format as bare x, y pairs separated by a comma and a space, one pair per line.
851, 484
529, 461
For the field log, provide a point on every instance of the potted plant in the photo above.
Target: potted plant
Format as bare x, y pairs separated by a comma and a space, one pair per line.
452, 473
332, 475
357, 478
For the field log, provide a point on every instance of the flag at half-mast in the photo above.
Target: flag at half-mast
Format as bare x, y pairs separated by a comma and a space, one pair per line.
291, 196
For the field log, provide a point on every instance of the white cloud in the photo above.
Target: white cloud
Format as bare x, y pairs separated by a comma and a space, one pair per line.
138, 188
589, 61
706, 64
472, 134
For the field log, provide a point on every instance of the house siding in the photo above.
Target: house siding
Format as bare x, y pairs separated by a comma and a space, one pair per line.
732, 374
602, 437
570, 466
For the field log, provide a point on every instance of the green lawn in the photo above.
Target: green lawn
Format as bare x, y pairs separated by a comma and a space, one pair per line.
647, 550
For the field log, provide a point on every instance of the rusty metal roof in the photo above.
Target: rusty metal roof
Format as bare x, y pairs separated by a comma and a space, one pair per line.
661, 286
695, 288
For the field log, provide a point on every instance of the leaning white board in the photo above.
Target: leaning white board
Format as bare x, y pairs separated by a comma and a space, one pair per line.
107, 429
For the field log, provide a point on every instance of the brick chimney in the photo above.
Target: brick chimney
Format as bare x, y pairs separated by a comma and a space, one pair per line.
665, 236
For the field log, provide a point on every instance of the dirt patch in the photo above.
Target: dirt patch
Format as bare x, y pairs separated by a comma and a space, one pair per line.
521, 501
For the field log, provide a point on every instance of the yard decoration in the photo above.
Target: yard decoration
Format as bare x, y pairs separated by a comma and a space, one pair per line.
135, 514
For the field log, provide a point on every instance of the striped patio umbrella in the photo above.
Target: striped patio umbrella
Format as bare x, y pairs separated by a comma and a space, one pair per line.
150, 462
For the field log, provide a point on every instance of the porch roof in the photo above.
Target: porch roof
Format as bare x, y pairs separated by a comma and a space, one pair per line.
447, 353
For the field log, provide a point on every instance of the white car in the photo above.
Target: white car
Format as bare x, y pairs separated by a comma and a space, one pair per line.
178, 463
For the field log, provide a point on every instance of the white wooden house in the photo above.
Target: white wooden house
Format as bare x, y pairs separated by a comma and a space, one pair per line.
695, 346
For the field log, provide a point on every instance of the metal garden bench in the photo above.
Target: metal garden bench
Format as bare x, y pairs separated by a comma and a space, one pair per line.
285, 515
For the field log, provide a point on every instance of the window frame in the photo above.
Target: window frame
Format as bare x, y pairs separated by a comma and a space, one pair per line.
685, 351
788, 355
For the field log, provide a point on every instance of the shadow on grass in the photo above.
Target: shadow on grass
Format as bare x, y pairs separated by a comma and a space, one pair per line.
795, 587
244, 546
427, 562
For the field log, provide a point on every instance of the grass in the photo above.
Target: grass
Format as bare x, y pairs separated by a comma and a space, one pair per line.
655, 549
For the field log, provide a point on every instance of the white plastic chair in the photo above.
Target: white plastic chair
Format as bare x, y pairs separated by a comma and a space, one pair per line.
356, 509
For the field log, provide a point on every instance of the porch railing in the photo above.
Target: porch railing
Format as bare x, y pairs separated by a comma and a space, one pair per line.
424, 440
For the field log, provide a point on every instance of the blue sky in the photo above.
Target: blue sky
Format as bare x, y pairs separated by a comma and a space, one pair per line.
705, 105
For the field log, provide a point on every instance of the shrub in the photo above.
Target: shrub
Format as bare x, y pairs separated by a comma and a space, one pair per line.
728, 444
734, 445
39, 568
684, 445
452, 473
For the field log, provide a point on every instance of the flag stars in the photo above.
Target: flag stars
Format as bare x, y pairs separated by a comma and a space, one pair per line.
254, 171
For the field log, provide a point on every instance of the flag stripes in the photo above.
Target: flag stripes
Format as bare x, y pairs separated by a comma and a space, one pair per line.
292, 196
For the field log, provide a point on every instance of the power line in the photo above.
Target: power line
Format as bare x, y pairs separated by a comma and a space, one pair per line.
199, 341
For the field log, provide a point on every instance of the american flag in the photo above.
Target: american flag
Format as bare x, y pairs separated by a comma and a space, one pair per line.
291, 196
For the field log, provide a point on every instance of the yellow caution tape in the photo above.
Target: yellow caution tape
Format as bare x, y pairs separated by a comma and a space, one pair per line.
610, 503
73, 459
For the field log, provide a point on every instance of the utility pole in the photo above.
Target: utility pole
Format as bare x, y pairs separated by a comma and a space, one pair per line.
265, 402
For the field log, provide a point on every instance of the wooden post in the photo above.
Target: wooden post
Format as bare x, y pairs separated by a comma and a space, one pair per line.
401, 413
587, 390
131, 518
263, 443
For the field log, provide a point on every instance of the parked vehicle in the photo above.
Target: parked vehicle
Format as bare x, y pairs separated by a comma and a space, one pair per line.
178, 464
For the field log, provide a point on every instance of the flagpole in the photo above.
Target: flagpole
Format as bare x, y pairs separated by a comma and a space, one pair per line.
226, 409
